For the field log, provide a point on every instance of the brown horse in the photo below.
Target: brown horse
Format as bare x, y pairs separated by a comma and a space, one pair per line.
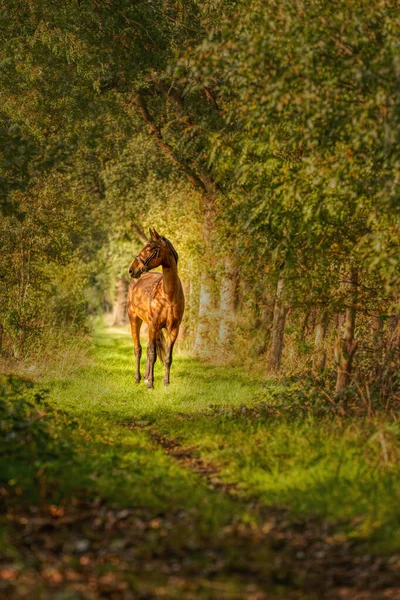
157, 299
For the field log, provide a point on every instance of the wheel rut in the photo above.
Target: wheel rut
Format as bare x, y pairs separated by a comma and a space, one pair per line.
314, 556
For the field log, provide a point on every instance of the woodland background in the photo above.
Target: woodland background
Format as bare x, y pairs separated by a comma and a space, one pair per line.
261, 138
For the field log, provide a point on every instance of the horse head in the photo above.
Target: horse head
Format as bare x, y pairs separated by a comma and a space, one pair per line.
156, 252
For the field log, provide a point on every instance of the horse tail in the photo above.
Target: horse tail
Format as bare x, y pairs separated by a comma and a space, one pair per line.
161, 345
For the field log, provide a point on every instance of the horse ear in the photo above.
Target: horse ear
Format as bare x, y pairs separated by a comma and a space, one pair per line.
152, 236
156, 235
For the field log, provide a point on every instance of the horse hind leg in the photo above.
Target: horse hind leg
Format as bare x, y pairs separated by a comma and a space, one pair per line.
148, 365
135, 328
146, 373
151, 358
168, 353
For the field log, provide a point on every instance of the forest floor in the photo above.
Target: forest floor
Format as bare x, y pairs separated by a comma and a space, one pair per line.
222, 486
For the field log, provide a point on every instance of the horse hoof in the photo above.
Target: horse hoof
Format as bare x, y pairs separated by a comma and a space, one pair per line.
166, 383
137, 380
150, 387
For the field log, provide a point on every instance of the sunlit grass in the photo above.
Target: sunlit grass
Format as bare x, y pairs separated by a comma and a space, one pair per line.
194, 386
328, 466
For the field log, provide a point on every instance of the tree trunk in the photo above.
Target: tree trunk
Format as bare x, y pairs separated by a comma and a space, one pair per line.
347, 345
319, 361
227, 302
191, 308
139, 232
278, 329
377, 346
264, 312
202, 341
184, 329
120, 315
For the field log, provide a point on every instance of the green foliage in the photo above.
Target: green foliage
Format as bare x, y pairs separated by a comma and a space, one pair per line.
34, 437
283, 117
151, 193
308, 96
44, 273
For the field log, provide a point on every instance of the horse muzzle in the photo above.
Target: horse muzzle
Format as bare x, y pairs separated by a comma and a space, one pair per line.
135, 273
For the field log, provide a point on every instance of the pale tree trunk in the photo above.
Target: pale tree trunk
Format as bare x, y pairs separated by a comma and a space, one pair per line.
347, 345
202, 341
184, 329
319, 361
207, 300
227, 302
120, 316
190, 309
278, 329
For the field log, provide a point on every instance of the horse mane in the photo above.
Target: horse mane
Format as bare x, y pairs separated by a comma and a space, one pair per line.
170, 246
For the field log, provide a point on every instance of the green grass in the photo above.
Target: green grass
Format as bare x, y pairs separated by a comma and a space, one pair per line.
337, 468
88, 437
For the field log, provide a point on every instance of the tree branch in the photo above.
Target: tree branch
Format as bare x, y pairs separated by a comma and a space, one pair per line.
139, 232
166, 148
175, 98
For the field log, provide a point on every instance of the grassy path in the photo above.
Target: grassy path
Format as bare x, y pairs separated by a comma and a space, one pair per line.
220, 486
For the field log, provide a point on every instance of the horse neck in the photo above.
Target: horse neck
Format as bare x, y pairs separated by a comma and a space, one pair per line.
170, 276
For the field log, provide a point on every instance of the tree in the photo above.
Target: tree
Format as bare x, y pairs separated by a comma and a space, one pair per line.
307, 93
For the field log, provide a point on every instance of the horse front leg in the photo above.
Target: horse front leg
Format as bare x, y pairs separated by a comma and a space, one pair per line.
146, 373
172, 335
135, 328
151, 358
